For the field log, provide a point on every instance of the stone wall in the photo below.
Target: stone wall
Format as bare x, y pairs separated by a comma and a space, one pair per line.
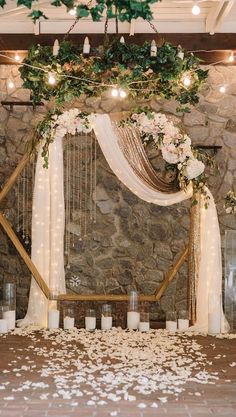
133, 243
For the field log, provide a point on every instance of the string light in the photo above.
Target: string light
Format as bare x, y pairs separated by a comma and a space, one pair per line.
17, 57
187, 81
114, 92
51, 78
222, 89
231, 57
123, 94
72, 12
10, 84
196, 10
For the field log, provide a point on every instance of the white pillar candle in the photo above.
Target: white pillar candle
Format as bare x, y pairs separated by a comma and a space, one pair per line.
90, 323
53, 319
144, 326
133, 318
183, 324
86, 46
171, 326
10, 316
68, 323
3, 326
106, 323
214, 323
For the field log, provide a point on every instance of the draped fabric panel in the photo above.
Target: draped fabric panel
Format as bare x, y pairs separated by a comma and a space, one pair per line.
48, 222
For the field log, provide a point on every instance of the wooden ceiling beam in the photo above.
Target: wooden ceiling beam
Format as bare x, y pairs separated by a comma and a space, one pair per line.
210, 49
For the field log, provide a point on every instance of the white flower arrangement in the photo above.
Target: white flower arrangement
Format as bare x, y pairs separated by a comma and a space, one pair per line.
174, 144
176, 149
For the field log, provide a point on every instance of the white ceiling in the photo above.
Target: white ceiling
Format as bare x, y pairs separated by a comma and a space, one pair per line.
170, 16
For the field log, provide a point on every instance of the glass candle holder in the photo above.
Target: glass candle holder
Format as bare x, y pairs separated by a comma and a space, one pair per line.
144, 324
171, 321
68, 318
133, 315
90, 319
9, 299
3, 321
214, 313
183, 320
106, 319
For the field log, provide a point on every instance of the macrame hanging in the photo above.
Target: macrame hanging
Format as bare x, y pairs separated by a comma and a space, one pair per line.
80, 159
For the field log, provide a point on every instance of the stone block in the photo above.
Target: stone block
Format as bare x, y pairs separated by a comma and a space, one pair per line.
194, 118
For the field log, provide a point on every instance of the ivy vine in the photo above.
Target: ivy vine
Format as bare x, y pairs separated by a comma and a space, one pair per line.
122, 10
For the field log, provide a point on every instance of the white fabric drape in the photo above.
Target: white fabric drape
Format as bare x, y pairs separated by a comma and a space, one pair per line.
210, 271
48, 220
108, 142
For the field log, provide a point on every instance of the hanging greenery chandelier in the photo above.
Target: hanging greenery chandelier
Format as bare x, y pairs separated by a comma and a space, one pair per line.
117, 68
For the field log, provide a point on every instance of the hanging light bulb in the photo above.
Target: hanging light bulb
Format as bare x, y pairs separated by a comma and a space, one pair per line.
72, 12
10, 84
231, 57
17, 57
222, 89
51, 78
123, 94
196, 10
114, 92
187, 81
122, 39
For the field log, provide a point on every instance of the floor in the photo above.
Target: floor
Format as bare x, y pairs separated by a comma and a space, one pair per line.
30, 366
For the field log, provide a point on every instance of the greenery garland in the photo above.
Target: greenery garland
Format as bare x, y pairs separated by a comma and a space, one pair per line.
129, 66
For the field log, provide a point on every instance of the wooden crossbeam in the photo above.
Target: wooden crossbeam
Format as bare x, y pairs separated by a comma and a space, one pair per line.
171, 274
22, 252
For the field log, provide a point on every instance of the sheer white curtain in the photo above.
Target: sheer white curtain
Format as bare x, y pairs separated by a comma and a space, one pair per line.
210, 271
48, 221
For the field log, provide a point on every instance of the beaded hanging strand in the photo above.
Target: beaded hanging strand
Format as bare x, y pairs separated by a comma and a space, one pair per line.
86, 185
91, 179
95, 180
26, 206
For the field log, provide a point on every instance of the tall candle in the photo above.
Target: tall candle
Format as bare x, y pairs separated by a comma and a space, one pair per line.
68, 323
53, 319
10, 316
214, 323
106, 323
90, 323
3, 326
171, 326
133, 320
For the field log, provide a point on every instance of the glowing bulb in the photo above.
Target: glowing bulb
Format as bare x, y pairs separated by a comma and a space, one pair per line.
72, 12
17, 57
196, 10
51, 79
114, 92
123, 94
231, 57
11, 84
187, 81
222, 89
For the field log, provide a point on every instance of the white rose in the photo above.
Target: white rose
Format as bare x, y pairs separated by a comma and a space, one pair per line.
229, 210
194, 168
170, 154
